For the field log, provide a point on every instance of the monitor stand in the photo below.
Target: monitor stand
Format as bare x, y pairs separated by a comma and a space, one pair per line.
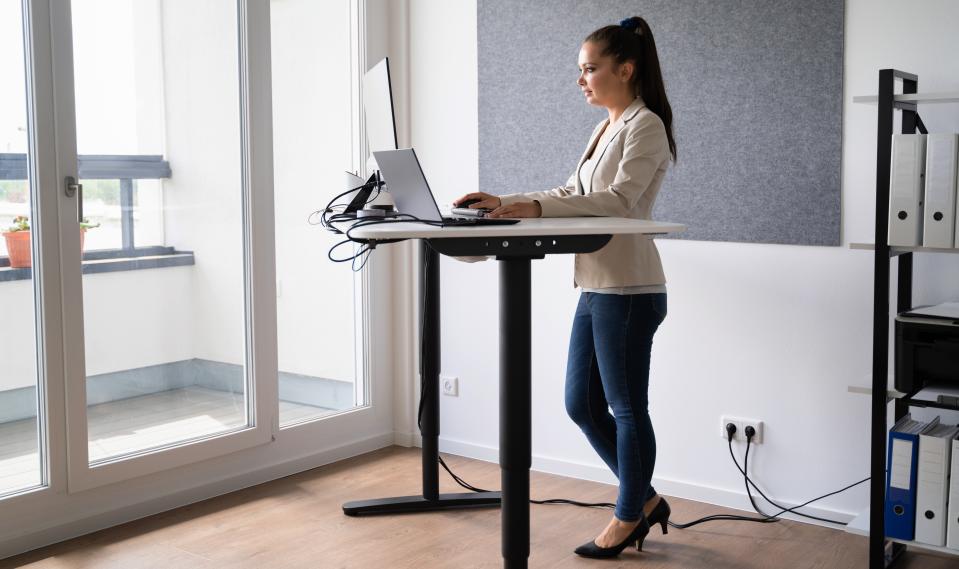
362, 197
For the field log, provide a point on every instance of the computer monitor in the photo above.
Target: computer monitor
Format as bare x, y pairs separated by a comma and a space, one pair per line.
378, 103
380, 125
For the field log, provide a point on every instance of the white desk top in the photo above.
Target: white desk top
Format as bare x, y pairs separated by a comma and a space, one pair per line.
528, 227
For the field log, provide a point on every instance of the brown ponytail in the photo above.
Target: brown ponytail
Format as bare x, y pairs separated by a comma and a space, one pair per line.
632, 40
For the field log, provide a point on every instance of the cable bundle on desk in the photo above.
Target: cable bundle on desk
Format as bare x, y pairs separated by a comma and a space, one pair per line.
336, 212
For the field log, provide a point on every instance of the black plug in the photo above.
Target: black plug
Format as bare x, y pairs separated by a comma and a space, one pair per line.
730, 431
750, 433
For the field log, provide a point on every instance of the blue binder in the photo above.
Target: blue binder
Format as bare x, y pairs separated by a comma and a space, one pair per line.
901, 468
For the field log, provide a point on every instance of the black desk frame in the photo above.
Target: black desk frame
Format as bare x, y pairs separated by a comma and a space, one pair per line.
514, 255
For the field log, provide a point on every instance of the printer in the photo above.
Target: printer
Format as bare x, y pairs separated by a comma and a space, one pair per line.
927, 348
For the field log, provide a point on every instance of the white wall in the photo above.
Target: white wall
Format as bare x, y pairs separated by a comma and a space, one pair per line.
770, 332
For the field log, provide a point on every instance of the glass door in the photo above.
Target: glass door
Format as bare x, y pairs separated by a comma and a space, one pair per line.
21, 428
171, 334
320, 307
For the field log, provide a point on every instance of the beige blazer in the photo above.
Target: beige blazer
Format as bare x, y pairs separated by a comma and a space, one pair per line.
627, 178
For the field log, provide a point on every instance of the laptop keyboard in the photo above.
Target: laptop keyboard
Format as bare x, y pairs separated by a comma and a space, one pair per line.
461, 221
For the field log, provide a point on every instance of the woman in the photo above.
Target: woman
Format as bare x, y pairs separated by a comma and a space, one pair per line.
624, 293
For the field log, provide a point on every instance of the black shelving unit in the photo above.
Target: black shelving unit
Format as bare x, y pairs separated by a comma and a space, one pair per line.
884, 552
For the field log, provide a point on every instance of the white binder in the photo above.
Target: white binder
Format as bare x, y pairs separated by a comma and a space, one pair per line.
952, 531
939, 217
906, 189
932, 484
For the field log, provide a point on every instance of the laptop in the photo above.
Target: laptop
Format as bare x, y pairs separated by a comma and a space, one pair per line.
411, 193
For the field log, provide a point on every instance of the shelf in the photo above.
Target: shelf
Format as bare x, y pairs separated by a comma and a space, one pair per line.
890, 394
860, 526
919, 98
896, 250
924, 398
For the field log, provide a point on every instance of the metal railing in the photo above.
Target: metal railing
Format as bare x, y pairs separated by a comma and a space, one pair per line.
125, 168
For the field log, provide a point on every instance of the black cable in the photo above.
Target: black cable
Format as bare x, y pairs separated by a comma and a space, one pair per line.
333, 213
329, 254
396, 218
369, 251
767, 518
749, 483
325, 222
730, 517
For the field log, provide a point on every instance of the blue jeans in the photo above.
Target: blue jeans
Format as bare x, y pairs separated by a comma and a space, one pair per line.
608, 367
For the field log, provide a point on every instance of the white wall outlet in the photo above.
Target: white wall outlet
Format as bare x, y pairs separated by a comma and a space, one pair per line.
741, 425
450, 385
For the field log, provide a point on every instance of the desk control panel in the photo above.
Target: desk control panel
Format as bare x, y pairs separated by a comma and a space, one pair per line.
532, 247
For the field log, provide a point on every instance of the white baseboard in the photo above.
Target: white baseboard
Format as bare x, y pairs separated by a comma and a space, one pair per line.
667, 486
253, 477
406, 439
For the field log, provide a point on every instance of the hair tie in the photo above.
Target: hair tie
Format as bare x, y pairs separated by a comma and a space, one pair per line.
631, 24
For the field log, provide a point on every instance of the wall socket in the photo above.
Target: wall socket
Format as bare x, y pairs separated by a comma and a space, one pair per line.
450, 385
741, 425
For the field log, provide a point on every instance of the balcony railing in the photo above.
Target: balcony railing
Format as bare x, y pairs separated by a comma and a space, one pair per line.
126, 169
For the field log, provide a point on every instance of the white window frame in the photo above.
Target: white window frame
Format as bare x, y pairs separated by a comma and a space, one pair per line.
259, 268
77, 499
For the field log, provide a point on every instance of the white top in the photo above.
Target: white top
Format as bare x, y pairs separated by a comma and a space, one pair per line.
588, 166
542, 226
627, 290
586, 173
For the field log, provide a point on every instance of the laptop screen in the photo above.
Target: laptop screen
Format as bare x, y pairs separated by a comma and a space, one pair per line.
407, 184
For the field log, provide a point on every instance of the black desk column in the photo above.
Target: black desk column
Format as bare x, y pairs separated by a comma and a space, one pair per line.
430, 368
429, 419
515, 407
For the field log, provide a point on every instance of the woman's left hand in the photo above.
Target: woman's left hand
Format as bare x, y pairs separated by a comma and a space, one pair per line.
518, 209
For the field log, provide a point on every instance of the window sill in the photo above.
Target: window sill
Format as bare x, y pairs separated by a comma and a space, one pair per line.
113, 261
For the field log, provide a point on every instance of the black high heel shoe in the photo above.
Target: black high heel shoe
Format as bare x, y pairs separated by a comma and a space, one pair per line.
636, 536
660, 515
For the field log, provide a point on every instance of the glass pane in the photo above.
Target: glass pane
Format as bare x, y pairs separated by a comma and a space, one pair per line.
20, 461
158, 134
101, 206
312, 131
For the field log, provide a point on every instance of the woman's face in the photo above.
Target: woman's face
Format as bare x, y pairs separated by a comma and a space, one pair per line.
604, 82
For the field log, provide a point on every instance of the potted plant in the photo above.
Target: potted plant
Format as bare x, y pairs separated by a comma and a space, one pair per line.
84, 226
18, 240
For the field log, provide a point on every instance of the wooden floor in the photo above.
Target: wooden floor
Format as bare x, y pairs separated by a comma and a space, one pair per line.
296, 522
136, 423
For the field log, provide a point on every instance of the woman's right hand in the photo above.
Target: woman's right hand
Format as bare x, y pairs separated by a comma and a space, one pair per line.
488, 201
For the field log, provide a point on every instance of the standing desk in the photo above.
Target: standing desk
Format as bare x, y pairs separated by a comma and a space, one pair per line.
514, 246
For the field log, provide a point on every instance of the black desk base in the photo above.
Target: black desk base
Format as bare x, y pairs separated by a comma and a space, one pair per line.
515, 371
412, 504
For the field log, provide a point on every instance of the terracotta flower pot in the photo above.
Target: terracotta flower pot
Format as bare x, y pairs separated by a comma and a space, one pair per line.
18, 248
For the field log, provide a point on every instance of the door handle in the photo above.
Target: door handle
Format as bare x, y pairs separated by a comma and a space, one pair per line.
74, 188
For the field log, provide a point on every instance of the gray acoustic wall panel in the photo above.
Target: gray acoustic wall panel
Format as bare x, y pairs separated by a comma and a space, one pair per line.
756, 92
